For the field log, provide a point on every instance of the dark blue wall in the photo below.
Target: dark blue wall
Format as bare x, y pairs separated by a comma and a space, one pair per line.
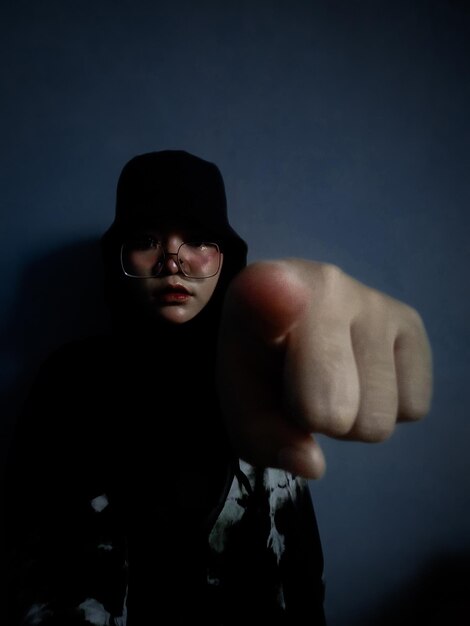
342, 131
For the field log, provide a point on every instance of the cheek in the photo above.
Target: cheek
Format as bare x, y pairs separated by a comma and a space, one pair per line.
205, 293
139, 290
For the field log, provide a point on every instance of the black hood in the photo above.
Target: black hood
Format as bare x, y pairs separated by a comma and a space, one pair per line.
170, 187
173, 185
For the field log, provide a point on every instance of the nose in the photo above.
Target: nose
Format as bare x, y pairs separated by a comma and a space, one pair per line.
171, 241
171, 263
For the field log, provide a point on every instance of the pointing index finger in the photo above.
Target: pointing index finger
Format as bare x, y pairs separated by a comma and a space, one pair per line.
268, 298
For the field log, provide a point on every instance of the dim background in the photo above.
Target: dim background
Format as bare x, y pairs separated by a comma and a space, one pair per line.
342, 132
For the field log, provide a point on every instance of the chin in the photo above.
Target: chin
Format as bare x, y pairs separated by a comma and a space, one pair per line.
176, 314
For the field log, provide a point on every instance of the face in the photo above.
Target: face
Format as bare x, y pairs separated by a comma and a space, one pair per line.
171, 295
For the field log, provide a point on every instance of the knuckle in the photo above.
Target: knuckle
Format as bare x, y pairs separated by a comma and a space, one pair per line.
331, 275
412, 320
414, 316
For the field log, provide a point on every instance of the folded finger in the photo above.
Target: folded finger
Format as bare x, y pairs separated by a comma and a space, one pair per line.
413, 358
378, 406
321, 384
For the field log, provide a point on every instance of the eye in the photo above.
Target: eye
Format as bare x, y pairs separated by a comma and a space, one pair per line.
144, 243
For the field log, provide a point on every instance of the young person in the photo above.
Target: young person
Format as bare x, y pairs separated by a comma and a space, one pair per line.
159, 474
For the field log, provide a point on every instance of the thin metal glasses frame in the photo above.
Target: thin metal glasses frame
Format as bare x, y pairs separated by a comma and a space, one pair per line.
178, 263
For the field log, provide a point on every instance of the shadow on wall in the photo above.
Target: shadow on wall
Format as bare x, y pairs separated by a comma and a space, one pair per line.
59, 298
440, 594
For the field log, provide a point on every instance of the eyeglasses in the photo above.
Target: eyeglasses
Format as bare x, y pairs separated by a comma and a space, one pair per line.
145, 258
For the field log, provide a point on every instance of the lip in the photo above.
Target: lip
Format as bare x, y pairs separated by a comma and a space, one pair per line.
173, 294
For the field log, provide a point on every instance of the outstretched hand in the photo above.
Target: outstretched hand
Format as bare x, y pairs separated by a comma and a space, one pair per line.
304, 349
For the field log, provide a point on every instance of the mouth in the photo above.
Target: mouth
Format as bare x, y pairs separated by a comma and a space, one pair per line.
173, 294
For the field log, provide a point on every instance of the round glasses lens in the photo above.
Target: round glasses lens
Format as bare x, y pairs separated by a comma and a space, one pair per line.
199, 259
142, 258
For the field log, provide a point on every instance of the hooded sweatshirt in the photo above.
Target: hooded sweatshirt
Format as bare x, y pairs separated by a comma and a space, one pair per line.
126, 503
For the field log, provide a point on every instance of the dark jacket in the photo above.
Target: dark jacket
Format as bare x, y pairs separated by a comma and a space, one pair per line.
122, 498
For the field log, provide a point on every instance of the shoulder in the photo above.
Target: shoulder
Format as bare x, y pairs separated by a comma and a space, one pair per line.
77, 364
84, 353
84, 347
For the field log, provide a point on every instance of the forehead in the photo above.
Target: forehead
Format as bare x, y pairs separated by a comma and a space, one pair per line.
168, 233
170, 228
